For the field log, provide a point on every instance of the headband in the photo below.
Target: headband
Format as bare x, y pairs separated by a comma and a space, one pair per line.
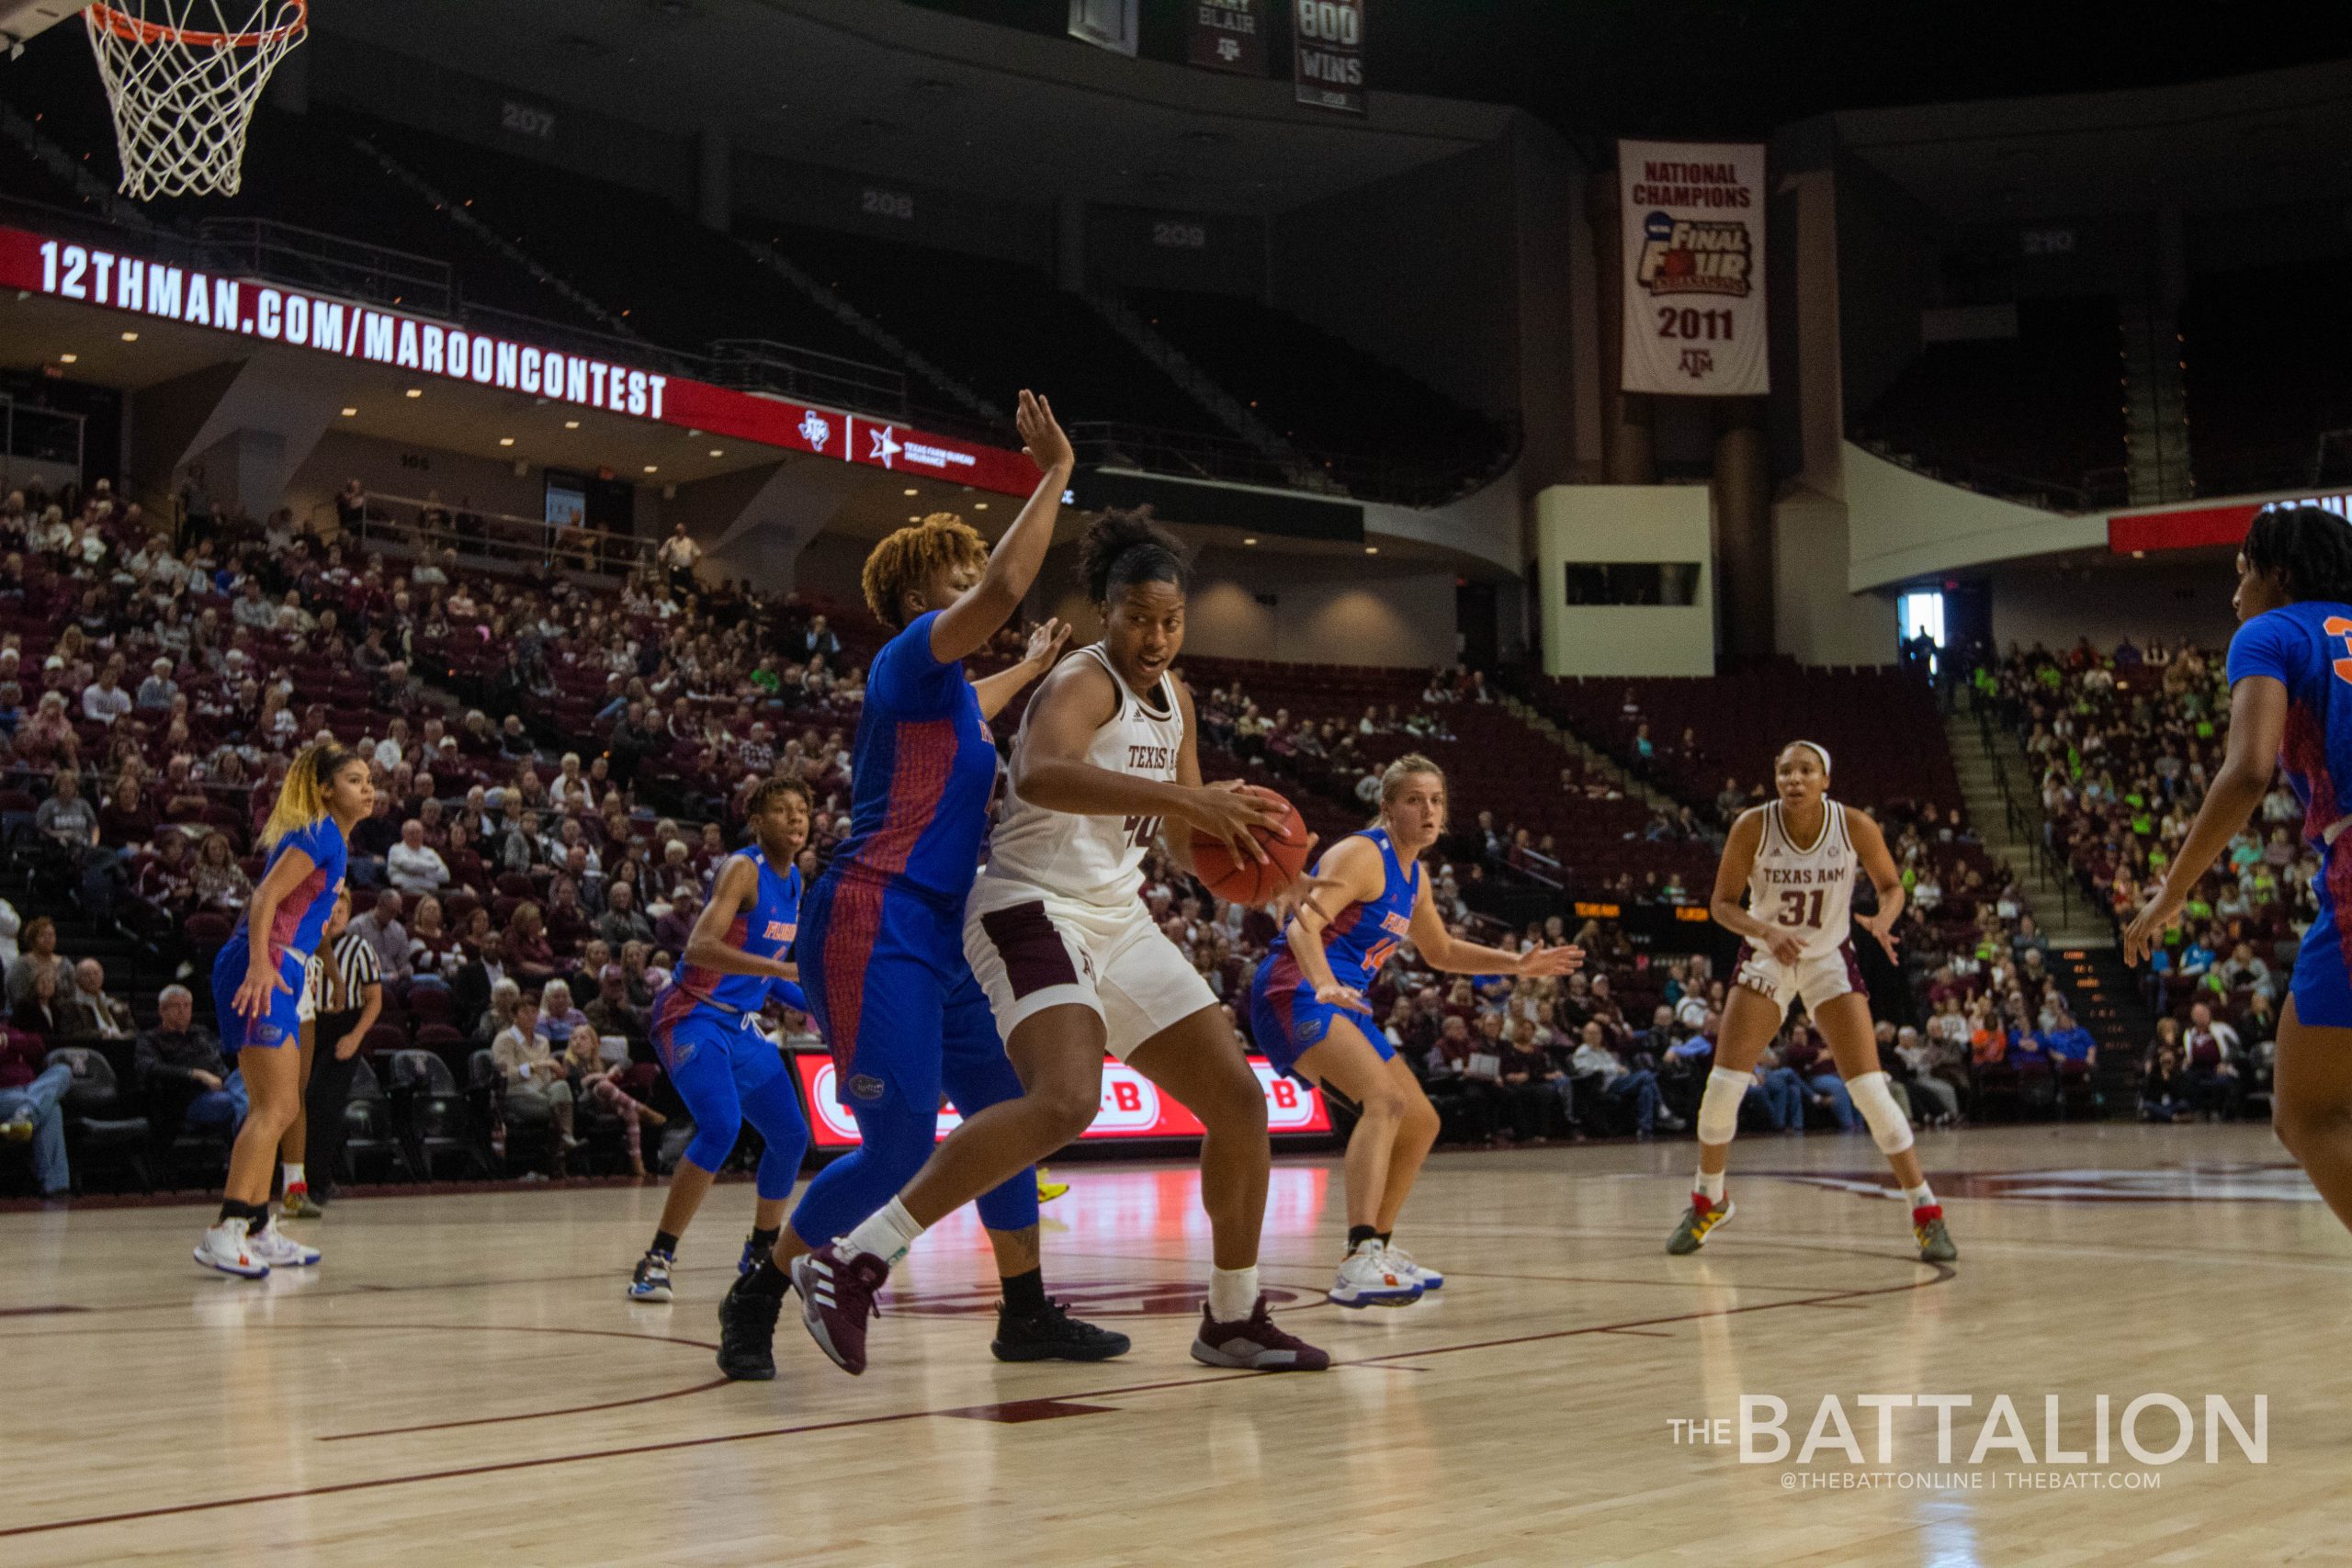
1817, 749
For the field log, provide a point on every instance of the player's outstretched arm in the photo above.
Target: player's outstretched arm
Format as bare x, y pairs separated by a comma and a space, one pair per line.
1350, 873
1441, 950
964, 627
1046, 645
2258, 724
737, 889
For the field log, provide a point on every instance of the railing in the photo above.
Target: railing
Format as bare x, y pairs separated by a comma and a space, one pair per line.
261, 248
38, 435
406, 526
2096, 490
1353, 476
759, 365
2029, 828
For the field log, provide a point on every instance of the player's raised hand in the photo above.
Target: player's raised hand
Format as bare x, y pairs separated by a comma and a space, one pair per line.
1046, 642
1041, 434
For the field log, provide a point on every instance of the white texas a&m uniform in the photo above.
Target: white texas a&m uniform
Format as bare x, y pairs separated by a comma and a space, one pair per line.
1056, 917
1808, 889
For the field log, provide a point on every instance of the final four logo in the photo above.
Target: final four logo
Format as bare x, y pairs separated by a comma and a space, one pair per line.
1681, 255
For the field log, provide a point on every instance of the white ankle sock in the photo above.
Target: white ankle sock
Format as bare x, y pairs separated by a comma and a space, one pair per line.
294, 1175
886, 1234
1920, 1196
1233, 1293
1711, 1187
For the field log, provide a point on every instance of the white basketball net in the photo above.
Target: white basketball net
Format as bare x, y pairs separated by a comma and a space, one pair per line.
184, 77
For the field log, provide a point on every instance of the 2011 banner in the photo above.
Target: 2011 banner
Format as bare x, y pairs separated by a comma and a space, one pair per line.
1228, 35
1693, 223
1326, 53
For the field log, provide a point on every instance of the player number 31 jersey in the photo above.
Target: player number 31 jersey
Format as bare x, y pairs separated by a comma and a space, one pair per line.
1806, 888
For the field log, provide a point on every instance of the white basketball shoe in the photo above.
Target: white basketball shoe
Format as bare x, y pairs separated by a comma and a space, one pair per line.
226, 1246
1367, 1280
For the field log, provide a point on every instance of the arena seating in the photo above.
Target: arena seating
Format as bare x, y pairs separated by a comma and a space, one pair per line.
2260, 399
1375, 429
2038, 412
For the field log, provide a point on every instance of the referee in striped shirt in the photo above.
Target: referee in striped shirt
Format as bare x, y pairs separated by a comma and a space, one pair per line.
350, 996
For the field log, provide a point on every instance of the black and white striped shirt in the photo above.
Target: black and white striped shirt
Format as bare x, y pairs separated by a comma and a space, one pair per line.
355, 966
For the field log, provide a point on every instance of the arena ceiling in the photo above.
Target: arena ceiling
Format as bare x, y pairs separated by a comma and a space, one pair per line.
894, 91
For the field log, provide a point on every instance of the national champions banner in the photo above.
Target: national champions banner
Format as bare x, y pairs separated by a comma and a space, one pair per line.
1693, 222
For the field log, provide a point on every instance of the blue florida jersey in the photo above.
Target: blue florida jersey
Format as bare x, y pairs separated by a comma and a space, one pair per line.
2308, 648
302, 916
764, 931
1360, 938
924, 766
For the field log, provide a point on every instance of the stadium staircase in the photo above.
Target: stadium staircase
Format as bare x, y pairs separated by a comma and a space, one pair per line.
2007, 814
2108, 1002
2155, 402
1230, 410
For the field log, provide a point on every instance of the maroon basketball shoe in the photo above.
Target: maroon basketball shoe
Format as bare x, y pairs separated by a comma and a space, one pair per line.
836, 1298
1255, 1345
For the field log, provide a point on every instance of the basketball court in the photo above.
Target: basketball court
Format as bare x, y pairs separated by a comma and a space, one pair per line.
464, 1368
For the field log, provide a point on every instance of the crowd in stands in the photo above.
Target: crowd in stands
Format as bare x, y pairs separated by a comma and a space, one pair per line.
2123, 743
563, 760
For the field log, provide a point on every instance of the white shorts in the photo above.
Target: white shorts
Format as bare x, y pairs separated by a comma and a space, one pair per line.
1823, 978
1031, 949
306, 1006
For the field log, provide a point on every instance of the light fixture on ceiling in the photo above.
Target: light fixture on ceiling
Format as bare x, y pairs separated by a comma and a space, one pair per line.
415, 392
351, 413
1248, 541
718, 451
67, 358
910, 489
131, 337
571, 424
1371, 550
653, 467
506, 441
979, 506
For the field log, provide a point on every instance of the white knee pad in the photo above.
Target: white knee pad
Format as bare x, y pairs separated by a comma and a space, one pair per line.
1719, 1106
1889, 1127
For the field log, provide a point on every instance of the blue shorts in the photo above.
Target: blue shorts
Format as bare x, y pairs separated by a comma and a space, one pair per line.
279, 1023
1287, 1022
2322, 984
717, 1061
891, 993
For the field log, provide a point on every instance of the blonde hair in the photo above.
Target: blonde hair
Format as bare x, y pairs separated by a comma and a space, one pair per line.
913, 555
1393, 776
302, 798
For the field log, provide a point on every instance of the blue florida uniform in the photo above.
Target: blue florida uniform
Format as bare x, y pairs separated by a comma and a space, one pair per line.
882, 941
724, 1069
1284, 1016
2308, 648
293, 936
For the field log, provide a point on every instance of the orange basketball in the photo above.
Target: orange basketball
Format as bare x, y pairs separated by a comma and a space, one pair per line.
1248, 882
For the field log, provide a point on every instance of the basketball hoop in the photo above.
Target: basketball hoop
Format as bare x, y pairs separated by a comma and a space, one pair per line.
184, 95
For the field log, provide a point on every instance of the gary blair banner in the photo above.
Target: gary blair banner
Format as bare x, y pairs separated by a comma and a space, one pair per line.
1228, 35
1326, 53
1693, 221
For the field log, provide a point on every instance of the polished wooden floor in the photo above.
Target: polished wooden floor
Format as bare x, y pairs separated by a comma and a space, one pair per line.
462, 1381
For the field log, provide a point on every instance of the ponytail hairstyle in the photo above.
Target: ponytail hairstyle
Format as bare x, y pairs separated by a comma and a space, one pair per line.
1120, 549
302, 798
1393, 777
2308, 549
911, 556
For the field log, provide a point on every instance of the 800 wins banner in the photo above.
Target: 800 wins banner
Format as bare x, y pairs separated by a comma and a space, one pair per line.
1693, 221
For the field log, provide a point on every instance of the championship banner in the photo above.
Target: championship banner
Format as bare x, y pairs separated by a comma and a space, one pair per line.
1326, 53
1693, 222
1105, 23
1133, 1106
1228, 35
